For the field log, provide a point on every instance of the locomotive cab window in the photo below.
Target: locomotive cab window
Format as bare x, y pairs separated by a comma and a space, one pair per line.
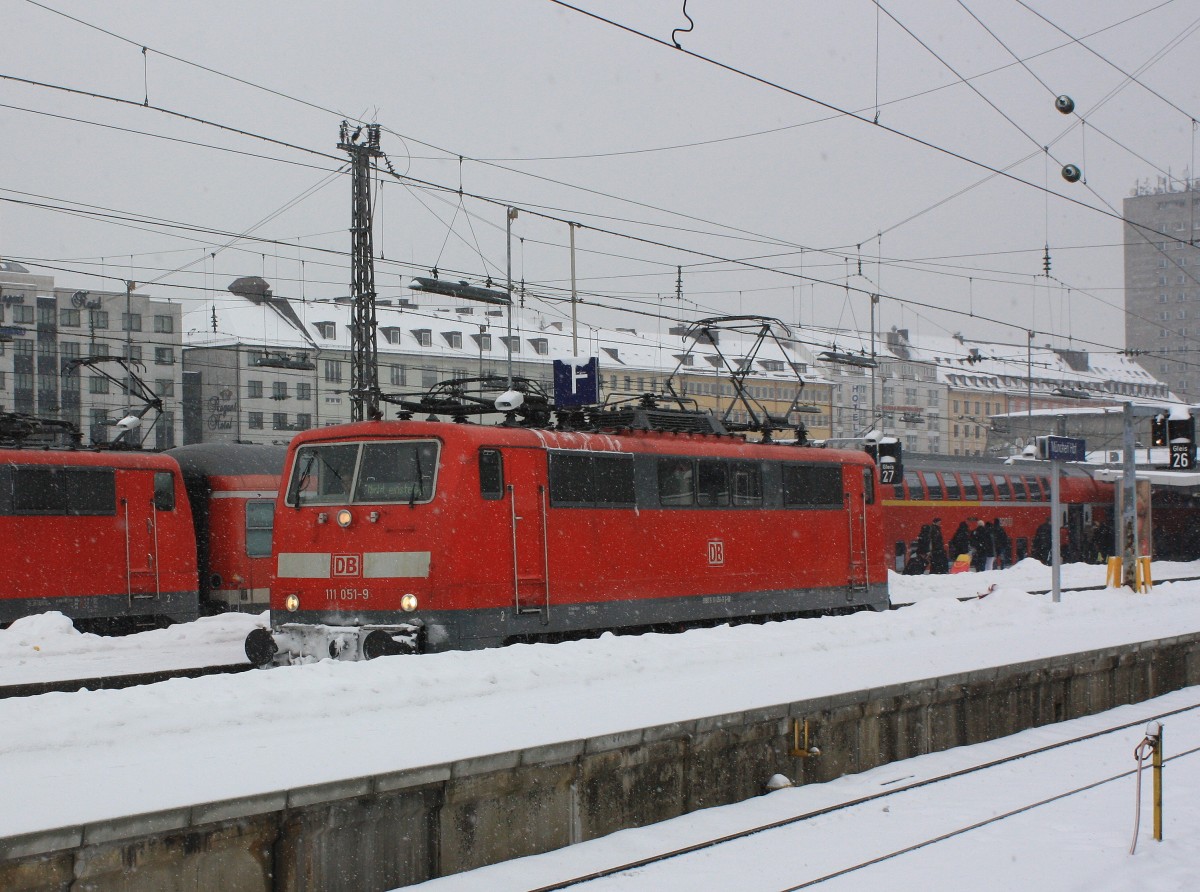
164, 491
491, 474
260, 521
390, 471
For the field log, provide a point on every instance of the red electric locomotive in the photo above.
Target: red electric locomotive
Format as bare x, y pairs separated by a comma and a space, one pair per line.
232, 489
104, 537
408, 536
972, 490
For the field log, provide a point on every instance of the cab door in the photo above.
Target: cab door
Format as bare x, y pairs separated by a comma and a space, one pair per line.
525, 491
859, 489
138, 515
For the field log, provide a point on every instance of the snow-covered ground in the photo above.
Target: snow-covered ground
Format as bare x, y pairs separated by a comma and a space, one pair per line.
90, 756
1079, 842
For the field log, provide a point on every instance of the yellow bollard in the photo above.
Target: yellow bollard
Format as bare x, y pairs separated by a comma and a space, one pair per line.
1113, 580
1142, 576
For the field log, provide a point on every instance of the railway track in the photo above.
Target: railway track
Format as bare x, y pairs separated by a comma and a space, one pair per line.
116, 682
714, 844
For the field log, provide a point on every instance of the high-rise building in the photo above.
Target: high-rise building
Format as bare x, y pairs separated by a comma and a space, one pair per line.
1162, 282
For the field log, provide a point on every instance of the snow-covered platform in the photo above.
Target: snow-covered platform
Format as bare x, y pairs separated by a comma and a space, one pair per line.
538, 732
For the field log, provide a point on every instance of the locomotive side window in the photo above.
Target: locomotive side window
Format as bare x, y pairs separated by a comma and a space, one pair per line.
713, 480
571, 480
491, 474
614, 480
916, 489
970, 489
164, 491
585, 479
260, 521
71, 491
676, 482
813, 485
747, 484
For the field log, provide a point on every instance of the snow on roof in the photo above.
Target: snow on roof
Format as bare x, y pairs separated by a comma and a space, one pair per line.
452, 332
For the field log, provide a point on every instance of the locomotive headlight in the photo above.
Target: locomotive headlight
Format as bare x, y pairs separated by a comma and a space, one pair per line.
344, 518
292, 603
408, 603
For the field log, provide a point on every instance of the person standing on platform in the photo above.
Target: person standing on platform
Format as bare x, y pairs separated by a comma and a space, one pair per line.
938, 562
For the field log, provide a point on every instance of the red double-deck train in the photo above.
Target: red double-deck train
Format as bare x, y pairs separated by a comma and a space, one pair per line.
122, 539
412, 536
968, 491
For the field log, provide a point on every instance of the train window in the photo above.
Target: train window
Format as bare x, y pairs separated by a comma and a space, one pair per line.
72, 491
932, 484
1018, 488
987, 491
323, 474
491, 474
713, 484
614, 480
970, 489
397, 471
747, 484
260, 521
1035, 494
164, 491
1003, 493
1045, 487
587, 479
952, 487
868, 487
916, 489
676, 482
809, 485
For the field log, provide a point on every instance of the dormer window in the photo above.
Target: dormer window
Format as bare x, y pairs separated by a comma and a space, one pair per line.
512, 343
424, 336
684, 359
483, 341
391, 334
612, 352
453, 339
541, 346
327, 330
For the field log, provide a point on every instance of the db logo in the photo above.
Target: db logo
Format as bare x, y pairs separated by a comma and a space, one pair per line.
347, 564
716, 553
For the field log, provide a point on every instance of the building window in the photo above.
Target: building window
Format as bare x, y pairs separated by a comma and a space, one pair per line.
164, 386
23, 315
327, 330
68, 317
333, 370
164, 325
279, 421
396, 375
453, 339
541, 346
429, 377
254, 420
254, 389
513, 344
96, 384
303, 421
279, 390
132, 351
424, 336
482, 340
131, 322
391, 333
304, 391
164, 355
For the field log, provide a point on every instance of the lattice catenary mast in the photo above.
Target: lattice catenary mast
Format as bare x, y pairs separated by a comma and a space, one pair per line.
362, 144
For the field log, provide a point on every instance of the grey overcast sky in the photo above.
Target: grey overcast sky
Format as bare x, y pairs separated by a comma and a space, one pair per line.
666, 159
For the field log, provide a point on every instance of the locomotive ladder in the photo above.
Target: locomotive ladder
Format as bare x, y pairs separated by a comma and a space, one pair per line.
518, 604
